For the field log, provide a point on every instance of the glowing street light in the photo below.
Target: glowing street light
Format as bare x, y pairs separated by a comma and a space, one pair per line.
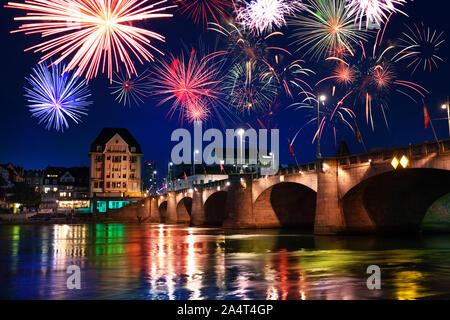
395, 163
193, 167
320, 98
404, 161
446, 106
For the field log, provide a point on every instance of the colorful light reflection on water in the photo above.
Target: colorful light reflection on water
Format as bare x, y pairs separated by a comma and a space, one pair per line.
151, 261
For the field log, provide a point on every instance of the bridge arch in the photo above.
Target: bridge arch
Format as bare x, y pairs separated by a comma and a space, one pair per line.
394, 201
215, 208
184, 209
286, 204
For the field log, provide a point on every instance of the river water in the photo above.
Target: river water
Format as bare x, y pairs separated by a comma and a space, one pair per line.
152, 261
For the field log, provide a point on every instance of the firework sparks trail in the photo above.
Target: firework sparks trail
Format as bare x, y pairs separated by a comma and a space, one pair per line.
261, 16
373, 11
420, 46
54, 96
247, 89
372, 78
288, 73
326, 26
96, 34
131, 90
332, 115
205, 11
190, 84
243, 45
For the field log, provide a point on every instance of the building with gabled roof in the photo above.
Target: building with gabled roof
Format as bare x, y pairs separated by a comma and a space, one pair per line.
116, 169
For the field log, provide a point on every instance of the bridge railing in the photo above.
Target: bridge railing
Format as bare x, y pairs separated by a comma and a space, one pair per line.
416, 151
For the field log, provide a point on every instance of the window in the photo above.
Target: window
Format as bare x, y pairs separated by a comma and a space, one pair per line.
108, 184
108, 158
113, 184
133, 149
124, 158
124, 184
95, 184
101, 184
118, 184
124, 175
99, 148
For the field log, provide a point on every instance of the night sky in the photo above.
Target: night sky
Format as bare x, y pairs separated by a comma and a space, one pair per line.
27, 144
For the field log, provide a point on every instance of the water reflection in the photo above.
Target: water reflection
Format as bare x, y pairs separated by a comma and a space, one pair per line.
152, 261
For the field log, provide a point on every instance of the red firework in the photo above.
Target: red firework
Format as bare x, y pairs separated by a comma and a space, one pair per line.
190, 84
205, 11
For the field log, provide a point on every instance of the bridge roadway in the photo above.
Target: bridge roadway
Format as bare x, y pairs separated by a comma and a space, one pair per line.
360, 193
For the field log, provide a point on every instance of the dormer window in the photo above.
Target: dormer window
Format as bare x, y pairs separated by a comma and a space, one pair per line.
133, 149
99, 148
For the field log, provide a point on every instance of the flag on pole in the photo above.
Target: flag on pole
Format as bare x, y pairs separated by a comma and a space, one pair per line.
221, 167
426, 115
185, 176
290, 149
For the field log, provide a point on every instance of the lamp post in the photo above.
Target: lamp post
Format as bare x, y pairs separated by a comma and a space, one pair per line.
447, 107
193, 168
241, 132
320, 98
169, 174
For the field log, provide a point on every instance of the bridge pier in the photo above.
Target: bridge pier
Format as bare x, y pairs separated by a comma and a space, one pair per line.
171, 214
329, 217
239, 208
147, 207
154, 210
197, 210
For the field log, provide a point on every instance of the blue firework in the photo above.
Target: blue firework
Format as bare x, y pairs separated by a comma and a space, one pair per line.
55, 96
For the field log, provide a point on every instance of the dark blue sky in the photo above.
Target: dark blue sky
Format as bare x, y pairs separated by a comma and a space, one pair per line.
25, 143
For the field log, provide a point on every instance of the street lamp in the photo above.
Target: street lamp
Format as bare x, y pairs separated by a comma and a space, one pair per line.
169, 173
320, 98
193, 167
241, 132
446, 106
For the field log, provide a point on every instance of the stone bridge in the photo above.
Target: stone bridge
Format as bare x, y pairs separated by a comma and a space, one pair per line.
353, 194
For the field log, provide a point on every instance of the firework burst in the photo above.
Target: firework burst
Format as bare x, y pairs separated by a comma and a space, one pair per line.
326, 26
261, 16
373, 11
189, 84
332, 115
205, 11
93, 32
247, 89
242, 44
420, 47
287, 72
54, 96
372, 79
131, 90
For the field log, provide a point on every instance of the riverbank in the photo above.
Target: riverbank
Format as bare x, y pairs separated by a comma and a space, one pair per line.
70, 221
